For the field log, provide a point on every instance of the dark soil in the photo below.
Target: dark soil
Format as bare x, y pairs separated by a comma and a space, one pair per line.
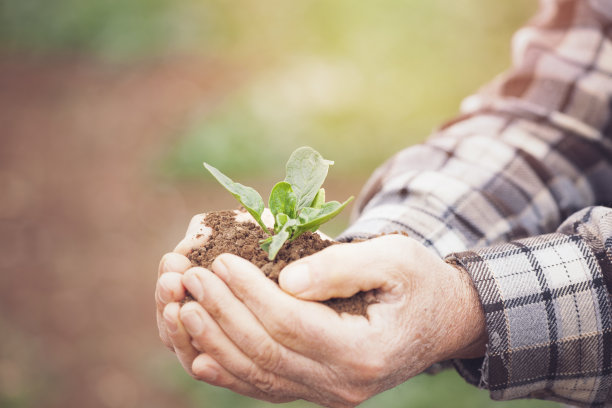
242, 239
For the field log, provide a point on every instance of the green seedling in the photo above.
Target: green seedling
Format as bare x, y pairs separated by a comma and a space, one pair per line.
297, 203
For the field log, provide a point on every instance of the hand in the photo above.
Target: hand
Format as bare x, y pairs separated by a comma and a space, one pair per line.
258, 340
169, 289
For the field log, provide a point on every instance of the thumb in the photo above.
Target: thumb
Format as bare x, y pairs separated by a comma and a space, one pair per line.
342, 270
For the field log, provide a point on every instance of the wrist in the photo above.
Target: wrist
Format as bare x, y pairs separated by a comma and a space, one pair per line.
467, 327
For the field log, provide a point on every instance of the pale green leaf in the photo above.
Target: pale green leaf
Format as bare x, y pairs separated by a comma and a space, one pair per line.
277, 242
282, 199
279, 221
319, 199
274, 243
311, 219
247, 196
306, 171
265, 243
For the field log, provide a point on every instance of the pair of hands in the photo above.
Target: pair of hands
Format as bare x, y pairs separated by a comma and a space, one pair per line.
247, 334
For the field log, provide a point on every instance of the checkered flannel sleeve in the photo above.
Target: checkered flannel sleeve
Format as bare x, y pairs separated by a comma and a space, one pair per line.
529, 150
547, 305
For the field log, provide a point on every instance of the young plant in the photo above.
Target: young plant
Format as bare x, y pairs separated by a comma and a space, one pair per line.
297, 203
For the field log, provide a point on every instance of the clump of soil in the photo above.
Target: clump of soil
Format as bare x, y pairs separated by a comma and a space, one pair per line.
242, 239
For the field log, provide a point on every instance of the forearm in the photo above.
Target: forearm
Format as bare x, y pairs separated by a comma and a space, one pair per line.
530, 150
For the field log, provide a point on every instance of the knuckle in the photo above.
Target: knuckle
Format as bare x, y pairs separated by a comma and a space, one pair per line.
290, 328
268, 357
214, 309
263, 380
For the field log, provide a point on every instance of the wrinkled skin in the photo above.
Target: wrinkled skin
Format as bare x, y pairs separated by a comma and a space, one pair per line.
247, 334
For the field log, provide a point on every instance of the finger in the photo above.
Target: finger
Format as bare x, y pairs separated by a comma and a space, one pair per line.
169, 289
298, 325
210, 338
163, 331
206, 369
196, 225
324, 236
190, 242
196, 235
173, 262
346, 269
180, 339
243, 328
267, 217
170, 263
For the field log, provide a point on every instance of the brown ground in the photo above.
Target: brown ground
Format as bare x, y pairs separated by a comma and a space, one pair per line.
242, 239
84, 221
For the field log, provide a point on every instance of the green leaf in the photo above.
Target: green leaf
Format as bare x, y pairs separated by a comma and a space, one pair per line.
311, 218
247, 196
319, 199
279, 221
297, 203
282, 199
308, 214
265, 243
277, 242
274, 243
306, 171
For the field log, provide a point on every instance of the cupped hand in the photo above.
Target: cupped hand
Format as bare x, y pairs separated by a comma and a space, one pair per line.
169, 290
247, 334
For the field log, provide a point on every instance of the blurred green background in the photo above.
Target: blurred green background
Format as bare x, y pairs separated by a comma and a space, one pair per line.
110, 108
358, 82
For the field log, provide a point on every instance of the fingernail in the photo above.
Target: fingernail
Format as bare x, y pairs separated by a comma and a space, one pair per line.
295, 279
192, 322
208, 373
170, 323
219, 267
194, 286
165, 293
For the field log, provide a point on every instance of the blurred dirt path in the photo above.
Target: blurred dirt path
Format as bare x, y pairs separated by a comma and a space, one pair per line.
84, 222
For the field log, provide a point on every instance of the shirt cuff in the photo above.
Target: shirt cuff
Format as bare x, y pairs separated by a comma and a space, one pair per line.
548, 320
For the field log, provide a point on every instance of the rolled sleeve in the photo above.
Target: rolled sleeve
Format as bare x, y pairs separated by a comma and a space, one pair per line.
547, 310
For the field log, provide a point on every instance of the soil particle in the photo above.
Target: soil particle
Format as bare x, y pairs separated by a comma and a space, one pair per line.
242, 239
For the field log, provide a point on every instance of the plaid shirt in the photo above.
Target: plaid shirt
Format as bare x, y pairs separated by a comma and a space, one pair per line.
518, 191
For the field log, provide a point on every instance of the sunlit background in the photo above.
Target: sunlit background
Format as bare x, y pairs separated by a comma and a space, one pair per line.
109, 107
